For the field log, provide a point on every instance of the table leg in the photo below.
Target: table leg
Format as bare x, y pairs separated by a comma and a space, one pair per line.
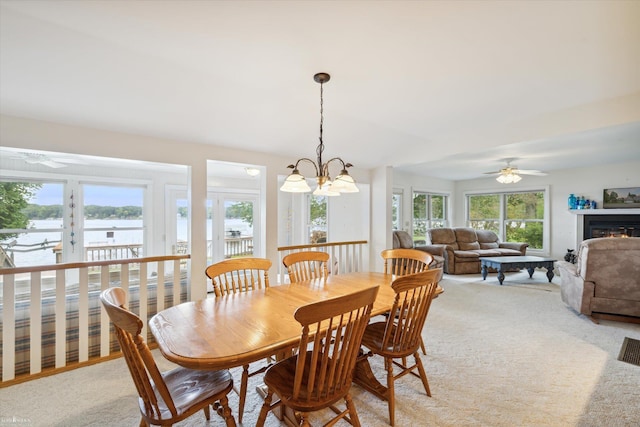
550, 273
363, 376
484, 271
501, 274
531, 270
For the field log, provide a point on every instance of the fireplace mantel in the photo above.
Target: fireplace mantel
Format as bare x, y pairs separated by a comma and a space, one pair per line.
581, 218
605, 211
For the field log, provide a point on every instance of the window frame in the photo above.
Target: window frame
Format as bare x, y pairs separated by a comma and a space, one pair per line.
399, 193
429, 220
546, 226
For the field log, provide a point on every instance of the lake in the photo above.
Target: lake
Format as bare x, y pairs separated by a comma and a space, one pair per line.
44, 255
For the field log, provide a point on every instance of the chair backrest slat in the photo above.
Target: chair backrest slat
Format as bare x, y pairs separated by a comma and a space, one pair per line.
401, 262
335, 327
306, 265
239, 275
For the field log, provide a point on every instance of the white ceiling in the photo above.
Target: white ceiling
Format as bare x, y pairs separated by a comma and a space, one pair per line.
441, 88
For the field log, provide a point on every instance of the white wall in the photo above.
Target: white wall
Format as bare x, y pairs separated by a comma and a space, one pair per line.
589, 182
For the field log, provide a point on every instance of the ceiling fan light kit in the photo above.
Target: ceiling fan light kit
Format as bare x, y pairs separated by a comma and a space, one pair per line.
511, 174
508, 177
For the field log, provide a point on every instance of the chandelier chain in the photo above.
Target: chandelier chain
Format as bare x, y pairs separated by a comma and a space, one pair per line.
320, 148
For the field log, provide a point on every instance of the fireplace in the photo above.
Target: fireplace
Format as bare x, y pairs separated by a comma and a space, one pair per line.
611, 226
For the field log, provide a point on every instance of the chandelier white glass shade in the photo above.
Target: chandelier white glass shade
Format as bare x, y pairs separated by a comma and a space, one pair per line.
508, 176
343, 182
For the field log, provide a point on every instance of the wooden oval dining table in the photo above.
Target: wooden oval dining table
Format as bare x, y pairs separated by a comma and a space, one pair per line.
241, 328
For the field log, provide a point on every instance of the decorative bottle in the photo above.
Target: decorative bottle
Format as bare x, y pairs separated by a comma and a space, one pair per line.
572, 201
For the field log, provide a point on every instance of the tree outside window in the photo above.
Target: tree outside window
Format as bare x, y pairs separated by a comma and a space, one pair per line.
515, 217
429, 211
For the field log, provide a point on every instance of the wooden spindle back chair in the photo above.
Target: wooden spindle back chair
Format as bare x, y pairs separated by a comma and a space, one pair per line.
169, 397
401, 262
306, 265
234, 276
400, 336
321, 373
239, 275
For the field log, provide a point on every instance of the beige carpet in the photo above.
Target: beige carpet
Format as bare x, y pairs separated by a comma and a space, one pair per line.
511, 355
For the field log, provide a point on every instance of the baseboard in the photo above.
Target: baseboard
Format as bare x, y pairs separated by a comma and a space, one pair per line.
596, 317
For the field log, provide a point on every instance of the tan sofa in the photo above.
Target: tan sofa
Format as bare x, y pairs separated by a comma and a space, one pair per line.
402, 239
463, 247
605, 278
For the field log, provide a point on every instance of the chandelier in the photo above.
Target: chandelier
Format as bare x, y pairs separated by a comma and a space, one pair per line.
343, 182
508, 175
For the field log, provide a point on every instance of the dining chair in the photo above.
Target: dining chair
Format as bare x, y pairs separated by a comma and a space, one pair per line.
306, 265
401, 262
321, 372
234, 276
399, 337
165, 397
239, 275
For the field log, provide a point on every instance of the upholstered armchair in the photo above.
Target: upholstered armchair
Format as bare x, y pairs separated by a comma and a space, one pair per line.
403, 240
605, 280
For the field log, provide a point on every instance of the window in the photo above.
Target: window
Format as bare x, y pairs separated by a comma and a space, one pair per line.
515, 217
396, 210
31, 220
113, 223
429, 211
317, 223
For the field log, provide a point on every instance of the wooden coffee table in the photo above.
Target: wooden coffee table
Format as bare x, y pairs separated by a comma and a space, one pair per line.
503, 263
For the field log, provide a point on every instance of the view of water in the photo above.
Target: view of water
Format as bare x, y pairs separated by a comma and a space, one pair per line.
44, 255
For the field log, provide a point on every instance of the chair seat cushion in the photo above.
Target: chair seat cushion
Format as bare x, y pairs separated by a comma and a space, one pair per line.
508, 252
488, 252
466, 255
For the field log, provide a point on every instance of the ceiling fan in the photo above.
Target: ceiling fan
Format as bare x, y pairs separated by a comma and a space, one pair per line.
511, 174
43, 159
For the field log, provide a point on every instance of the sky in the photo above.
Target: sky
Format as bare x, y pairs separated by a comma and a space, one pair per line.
51, 194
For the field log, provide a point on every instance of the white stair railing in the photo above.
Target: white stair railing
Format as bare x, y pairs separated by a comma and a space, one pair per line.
345, 257
52, 318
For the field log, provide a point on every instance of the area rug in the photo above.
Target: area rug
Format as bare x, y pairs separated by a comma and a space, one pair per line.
499, 356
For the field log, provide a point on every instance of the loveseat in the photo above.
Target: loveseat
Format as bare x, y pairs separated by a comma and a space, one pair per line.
403, 240
462, 247
605, 280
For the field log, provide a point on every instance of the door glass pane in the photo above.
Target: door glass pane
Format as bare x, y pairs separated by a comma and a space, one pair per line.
317, 219
113, 225
238, 226
31, 221
182, 227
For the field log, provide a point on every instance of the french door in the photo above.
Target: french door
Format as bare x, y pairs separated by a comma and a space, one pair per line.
233, 225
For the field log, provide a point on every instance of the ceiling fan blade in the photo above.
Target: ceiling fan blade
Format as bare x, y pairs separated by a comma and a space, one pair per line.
52, 164
493, 173
531, 172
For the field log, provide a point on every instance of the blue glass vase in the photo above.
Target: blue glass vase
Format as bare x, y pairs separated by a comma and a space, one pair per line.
573, 201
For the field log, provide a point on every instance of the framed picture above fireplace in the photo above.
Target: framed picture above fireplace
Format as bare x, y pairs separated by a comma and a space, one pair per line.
621, 198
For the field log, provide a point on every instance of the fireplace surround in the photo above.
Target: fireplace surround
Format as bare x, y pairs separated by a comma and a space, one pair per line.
610, 226
591, 223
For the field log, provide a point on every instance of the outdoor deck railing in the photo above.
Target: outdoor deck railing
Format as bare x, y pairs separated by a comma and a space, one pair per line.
345, 257
51, 315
